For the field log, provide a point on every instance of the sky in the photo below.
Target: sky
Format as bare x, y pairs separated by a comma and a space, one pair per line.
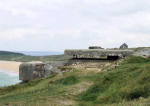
55, 25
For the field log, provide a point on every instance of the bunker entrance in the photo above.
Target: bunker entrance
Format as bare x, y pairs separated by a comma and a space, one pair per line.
100, 58
112, 57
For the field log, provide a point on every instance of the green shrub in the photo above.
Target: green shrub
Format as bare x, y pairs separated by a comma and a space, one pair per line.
92, 93
129, 81
70, 80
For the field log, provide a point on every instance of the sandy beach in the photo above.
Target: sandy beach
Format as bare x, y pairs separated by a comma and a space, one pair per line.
11, 66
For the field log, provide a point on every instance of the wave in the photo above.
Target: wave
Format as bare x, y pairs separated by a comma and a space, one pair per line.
8, 72
8, 78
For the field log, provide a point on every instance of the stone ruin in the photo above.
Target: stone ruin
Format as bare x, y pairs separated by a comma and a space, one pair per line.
124, 46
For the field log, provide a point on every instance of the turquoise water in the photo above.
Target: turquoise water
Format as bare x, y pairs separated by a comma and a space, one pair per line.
7, 78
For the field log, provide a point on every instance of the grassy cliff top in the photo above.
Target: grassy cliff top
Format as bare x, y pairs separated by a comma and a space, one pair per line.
128, 84
7, 53
12, 56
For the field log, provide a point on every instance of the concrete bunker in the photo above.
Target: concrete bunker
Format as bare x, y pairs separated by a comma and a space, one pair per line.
95, 54
112, 57
33, 70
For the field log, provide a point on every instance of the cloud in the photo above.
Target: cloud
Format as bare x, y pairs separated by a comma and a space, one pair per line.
46, 25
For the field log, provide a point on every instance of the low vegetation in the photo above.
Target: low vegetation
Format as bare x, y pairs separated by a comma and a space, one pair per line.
129, 81
5, 55
128, 84
12, 56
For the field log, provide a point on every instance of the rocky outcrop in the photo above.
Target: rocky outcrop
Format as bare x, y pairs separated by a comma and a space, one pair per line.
33, 70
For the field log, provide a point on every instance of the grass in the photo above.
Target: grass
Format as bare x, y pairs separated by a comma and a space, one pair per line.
70, 80
128, 84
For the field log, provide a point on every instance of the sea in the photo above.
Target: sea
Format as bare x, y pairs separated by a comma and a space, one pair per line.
8, 78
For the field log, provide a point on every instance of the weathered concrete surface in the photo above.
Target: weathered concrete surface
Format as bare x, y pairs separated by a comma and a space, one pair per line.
95, 47
97, 53
142, 52
33, 70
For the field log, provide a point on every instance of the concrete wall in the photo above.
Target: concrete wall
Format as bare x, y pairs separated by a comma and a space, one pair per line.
142, 52
97, 53
33, 70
